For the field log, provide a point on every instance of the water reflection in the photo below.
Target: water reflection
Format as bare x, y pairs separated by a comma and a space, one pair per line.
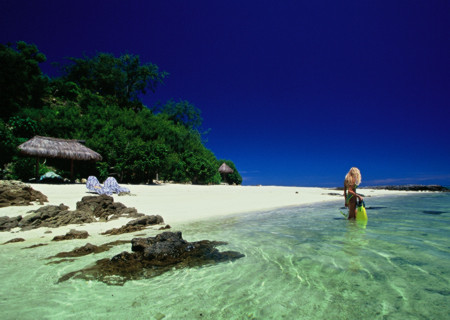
354, 243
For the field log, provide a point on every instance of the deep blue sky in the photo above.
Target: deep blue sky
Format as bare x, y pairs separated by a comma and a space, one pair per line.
295, 92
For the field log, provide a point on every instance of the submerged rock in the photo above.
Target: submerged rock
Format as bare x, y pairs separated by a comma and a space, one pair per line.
136, 225
435, 212
123, 229
15, 240
16, 193
72, 234
36, 246
153, 256
88, 249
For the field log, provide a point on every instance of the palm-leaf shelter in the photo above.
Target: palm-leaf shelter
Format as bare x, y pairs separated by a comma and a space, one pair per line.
47, 147
224, 168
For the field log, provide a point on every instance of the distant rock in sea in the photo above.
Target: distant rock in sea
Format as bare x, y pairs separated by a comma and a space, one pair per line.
411, 187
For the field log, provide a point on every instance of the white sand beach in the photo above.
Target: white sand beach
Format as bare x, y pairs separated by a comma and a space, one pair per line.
178, 203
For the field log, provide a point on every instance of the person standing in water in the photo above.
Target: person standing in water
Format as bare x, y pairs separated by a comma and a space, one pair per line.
351, 182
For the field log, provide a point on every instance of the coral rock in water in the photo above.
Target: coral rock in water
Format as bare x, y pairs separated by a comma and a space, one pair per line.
153, 256
72, 234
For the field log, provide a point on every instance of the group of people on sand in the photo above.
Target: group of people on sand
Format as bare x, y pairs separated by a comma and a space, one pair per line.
351, 182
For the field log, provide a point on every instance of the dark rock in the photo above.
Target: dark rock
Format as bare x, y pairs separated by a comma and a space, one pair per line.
88, 249
54, 216
89, 209
146, 221
7, 223
165, 227
72, 234
153, 256
123, 229
435, 212
412, 187
136, 225
60, 261
36, 246
15, 240
104, 207
16, 193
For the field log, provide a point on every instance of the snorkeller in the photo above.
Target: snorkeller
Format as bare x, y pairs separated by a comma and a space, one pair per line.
351, 182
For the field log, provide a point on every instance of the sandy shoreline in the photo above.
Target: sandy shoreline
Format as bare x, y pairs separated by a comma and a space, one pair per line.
178, 203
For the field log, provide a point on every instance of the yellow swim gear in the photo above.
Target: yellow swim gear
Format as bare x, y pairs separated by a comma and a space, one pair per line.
361, 214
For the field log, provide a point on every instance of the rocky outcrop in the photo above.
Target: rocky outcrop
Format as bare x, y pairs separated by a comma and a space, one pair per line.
89, 209
136, 225
123, 229
16, 193
7, 223
36, 246
54, 216
72, 234
15, 240
146, 221
153, 256
104, 208
88, 249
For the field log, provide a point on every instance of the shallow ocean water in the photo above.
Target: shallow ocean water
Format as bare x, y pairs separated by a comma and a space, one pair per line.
300, 263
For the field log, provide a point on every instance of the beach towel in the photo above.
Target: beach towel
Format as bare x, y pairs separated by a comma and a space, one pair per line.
94, 185
112, 184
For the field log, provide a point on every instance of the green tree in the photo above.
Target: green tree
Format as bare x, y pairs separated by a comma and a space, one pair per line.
97, 100
201, 168
67, 90
124, 79
23, 127
8, 144
184, 113
21, 80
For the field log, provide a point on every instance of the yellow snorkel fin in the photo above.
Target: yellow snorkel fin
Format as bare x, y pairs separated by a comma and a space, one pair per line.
361, 215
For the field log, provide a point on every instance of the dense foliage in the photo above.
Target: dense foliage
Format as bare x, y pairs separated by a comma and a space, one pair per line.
98, 100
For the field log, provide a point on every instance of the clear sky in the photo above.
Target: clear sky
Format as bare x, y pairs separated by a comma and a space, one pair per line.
295, 92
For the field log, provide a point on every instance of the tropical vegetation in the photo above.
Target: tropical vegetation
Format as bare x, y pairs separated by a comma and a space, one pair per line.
98, 100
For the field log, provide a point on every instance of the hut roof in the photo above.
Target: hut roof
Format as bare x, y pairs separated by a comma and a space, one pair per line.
47, 147
224, 168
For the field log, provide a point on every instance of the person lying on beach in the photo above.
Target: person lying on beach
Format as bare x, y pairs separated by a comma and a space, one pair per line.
351, 182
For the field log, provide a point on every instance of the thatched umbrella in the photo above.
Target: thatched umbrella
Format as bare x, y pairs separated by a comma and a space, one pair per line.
224, 168
46, 147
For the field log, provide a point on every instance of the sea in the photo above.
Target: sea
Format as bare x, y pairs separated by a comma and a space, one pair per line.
305, 262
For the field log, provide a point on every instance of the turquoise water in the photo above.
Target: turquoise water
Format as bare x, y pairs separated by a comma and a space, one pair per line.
301, 263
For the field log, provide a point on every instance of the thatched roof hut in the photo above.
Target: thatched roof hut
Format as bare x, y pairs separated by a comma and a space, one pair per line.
47, 147
224, 168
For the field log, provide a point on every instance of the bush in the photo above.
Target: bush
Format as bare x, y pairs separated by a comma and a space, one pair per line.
23, 169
